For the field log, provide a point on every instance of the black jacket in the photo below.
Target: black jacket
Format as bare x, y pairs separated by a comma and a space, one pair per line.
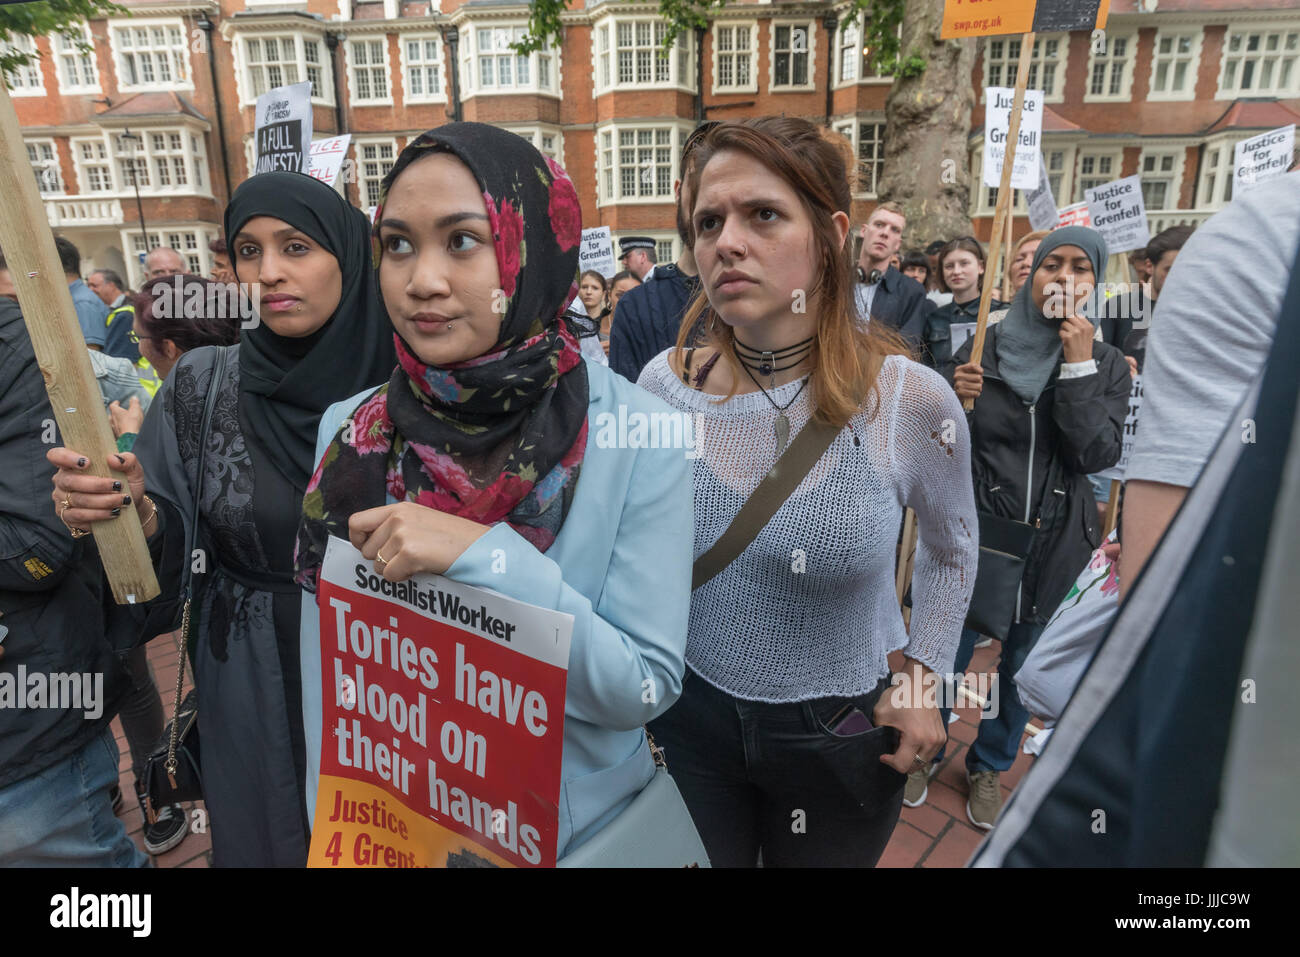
648, 318
1039, 457
936, 349
900, 302
52, 596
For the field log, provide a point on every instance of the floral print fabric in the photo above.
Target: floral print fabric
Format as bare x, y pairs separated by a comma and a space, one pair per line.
499, 437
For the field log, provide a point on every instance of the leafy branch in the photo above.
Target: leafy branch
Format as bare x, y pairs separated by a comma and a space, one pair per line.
49, 16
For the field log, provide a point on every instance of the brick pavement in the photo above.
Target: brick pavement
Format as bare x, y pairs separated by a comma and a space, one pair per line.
936, 834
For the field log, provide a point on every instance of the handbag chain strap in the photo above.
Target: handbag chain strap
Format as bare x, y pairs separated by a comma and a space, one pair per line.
209, 404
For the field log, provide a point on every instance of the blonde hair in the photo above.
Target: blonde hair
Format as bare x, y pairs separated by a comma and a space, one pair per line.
847, 354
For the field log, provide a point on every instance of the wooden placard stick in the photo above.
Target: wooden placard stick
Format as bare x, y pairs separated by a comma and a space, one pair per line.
28, 244
906, 549
1112, 508
1004, 202
1006, 252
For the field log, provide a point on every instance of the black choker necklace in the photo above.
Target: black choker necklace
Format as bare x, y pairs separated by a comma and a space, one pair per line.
767, 362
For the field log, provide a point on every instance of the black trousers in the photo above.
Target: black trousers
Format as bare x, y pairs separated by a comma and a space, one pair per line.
773, 778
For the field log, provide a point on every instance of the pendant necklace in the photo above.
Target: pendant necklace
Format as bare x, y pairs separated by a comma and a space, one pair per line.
769, 363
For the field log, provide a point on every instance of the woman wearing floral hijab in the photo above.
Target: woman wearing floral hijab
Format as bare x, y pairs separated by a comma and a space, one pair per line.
480, 448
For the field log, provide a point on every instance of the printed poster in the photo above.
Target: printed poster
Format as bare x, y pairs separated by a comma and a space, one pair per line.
1260, 158
283, 128
596, 251
443, 722
997, 127
983, 18
1043, 213
327, 157
1130, 432
1119, 214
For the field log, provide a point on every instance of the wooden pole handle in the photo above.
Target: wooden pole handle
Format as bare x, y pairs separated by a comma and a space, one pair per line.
28, 244
1004, 204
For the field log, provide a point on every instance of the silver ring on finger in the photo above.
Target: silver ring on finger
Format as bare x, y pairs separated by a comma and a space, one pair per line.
920, 760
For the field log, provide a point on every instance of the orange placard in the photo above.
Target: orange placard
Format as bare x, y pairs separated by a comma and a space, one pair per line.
982, 18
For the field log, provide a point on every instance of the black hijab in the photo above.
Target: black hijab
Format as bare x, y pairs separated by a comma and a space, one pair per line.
288, 382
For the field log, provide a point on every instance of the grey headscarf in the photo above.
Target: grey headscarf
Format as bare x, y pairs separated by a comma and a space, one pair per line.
1028, 342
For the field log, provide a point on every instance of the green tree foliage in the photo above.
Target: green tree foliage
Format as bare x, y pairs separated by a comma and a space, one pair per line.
45, 17
883, 19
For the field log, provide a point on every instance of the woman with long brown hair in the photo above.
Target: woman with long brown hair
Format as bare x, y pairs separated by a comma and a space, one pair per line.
784, 742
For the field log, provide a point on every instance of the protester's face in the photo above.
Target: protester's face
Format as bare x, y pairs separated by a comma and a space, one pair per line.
1143, 267
153, 351
301, 282
163, 261
754, 241
1023, 264
105, 291
439, 272
617, 290
882, 236
962, 271
638, 262
919, 273
895, 261
1063, 282
590, 292
221, 271
1161, 272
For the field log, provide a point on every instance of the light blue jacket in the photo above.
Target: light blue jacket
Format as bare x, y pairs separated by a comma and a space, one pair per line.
621, 566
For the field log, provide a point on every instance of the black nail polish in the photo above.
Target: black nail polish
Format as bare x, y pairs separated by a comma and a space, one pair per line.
117, 486
117, 512
81, 463
126, 500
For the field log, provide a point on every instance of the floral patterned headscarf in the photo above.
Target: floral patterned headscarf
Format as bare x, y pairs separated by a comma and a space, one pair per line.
500, 437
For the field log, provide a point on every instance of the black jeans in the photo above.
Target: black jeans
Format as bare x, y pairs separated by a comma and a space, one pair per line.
774, 778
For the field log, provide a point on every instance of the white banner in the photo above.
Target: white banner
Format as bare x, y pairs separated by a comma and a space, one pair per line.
1043, 213
1263, 157
327, 157
1130, 432
997, 126
1118, 213
283, 129
596, 251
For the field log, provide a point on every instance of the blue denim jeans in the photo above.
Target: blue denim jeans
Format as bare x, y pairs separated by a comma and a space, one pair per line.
999, 735
63, 817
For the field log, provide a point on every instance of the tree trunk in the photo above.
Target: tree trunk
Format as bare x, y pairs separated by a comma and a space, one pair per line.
927, 164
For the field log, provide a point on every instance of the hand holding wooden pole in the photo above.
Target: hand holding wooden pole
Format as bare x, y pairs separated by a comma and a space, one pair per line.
28, 245
1004, 203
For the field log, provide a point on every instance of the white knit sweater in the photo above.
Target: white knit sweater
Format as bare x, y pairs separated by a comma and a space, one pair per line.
809, 609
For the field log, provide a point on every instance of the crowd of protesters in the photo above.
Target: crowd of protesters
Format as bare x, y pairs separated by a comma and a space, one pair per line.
775, 690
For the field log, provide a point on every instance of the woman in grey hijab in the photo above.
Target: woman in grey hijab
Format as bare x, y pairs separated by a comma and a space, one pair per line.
1050, 403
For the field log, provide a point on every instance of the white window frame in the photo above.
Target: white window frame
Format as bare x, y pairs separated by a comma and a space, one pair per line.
660, 236
1276, 87
678, 131
62, 55
851, 129
471, 70
1174, 176
53, 149
363, 178
244, 72
1010, 63
200, 233
534, 134
120, 52
984, 197
605, 49
1222, 170
793, 22
370, 42
440, 67
1063, 187
718, 53
80, 163
859, 54
1126, 69
1117, 170
33, 75
1193, 58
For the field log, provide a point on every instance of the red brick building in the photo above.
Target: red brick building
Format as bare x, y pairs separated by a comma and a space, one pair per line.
165, 102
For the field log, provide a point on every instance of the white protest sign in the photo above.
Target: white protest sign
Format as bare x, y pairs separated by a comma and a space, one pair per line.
596, 251
283, 129
1116, 471
960, 332
997, 126
1119, 214
1262, 157
1076, 214
327, 157
1043, 213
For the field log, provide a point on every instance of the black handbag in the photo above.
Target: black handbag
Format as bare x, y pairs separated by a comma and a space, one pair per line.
171, 772
1004, 549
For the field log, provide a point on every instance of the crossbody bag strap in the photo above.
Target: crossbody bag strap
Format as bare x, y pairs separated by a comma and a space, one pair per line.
795, 463
191, 536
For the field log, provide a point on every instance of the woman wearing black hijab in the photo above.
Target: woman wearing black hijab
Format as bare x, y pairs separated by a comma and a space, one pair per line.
303, 255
